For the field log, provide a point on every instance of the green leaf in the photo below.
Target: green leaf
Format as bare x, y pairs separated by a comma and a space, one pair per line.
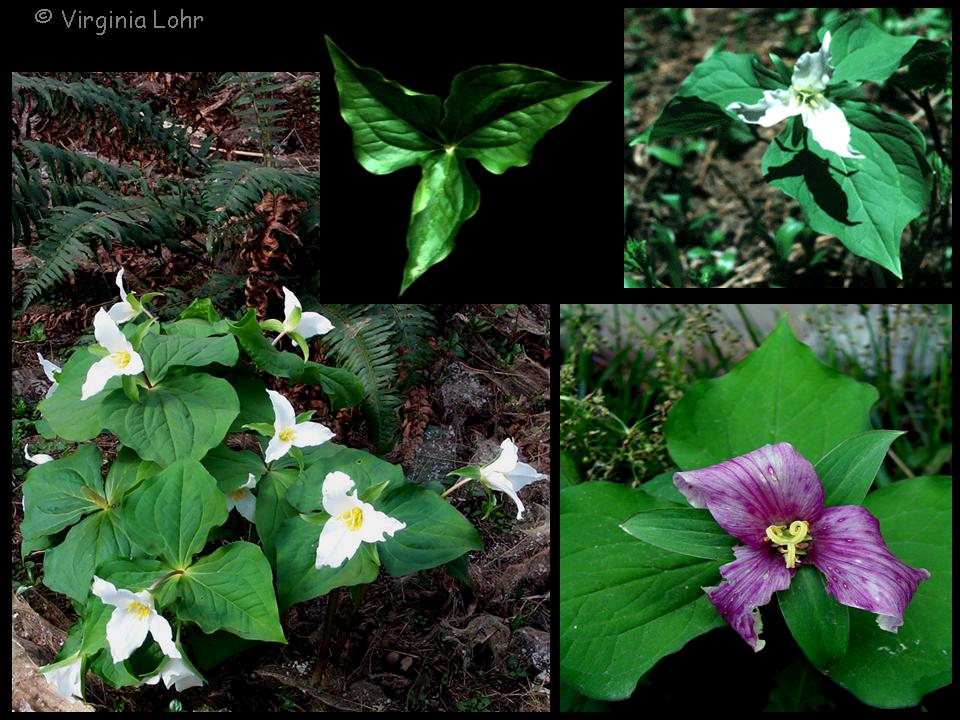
819, 624
496, 114
916, 518
435, 531
848, 198
232, 589
342, 387
162, 352
702, 98
861, 51
682, 530
297, 577
231, 468
183, 417
366, 470
171, 513
70, 417
55, 494
258, 348
624, 604
445, 198
780, 392
847, 471
273, 508
393, 127
69, 567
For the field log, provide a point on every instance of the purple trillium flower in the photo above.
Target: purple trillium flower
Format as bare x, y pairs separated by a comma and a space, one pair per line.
772, 501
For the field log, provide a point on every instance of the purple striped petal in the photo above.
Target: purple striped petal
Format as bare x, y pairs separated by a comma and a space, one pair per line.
774, 485
751, 580
861, 571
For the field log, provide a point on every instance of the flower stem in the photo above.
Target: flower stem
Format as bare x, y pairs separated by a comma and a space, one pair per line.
455, 486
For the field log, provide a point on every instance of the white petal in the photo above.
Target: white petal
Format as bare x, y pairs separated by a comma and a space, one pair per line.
498, 481
336, 485
125, 633
163, 634
246, 505
775, 106
376, 524
290, 302
98, 375
309, 433
251, 481
176, 672
119, 281
830, 129
48, 368
66, 679
505, 461
337, 543
812, 68
38, 459
312, 323
121, 312
283, 412
104, 590
276, 449
108, 334
522, 475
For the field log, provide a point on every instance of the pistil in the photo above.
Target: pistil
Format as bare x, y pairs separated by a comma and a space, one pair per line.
791, 541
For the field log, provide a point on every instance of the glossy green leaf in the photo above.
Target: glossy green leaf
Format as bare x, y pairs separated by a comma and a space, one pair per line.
435, 531
297, 577
848, 471
890, 670
70, 417
183, 417
445, 198
273, 508
69, 567
849, 198
232, 589
862, 51
162, 352
393, 127
819, 624
57, 494
171, 514
687, 531
366, 471
624, 604
496, 114
780, 392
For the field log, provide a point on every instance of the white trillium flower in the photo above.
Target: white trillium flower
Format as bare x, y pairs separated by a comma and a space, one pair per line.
122, 360
130, 622
49, 369
176, 672
38, 459
288, 432
243, 500
122, 311
305, 324
805, 98
65, 676
351, 522
507, 475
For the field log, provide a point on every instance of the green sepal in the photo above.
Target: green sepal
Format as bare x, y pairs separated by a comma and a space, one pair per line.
265, 429
305, 416
301, 343
294, 319
131, 388
272, 325
98, 350
297, 454
470, 471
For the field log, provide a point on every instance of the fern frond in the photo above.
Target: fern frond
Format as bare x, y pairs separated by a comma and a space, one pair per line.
135, 118
232, 189
257, 111
413, 326
363, 344
71, 232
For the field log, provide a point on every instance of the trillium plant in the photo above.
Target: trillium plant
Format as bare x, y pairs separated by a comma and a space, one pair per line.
494, 114
841, 157
166, 579
772, 501
769, 510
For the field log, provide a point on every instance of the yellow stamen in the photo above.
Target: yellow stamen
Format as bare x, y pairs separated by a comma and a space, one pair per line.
121, 358
353, 517
238, 493
286, 435
790, 539
139, 609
